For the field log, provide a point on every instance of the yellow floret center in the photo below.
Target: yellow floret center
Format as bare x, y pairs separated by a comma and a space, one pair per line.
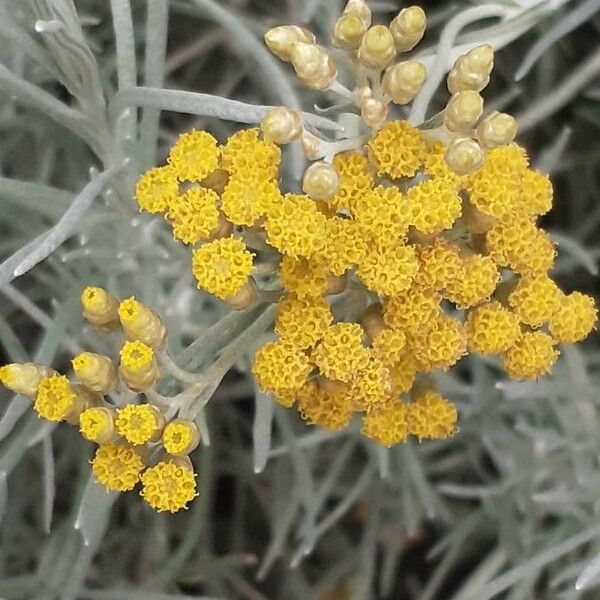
55, 398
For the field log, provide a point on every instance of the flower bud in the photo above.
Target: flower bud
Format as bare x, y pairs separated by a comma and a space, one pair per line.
408, 28
373, 112
138, 367
496, 130
377, 48
100, 308
464, 155
472, 70
141, 323
348, 31
360, 8
320, 181
98, 373
280, 39
97, 424
403, 81
463, 110
23, 378
314, 67
245, 297
180, 437
281, 125
361, 94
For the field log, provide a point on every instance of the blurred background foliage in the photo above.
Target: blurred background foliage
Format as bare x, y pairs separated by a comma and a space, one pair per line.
508, 508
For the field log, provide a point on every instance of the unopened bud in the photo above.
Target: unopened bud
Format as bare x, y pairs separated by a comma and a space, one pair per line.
463, 110
464, 155
180, 437
374, 112
403, 81
280, 39
320, 181
245, 297
97, 372
314, 67
100, 308
138, 367
281, 125
141, 323
408, 28
472, 70
496, 130
377, 48
348, 31
97, 424
360, 8
23, 378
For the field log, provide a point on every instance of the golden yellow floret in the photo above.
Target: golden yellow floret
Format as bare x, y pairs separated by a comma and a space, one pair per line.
328, 406
475, 284
574, 318
222, 266
439, 265
389, 269
389, 345
434, 205
341, 352
139, 423
537, 193
440, 344
371, 384
136, 356
117, 467
55, 398
302, 322
531, 356
246, 155
245, 200
345, 245
412, 309
403, 373
156, 189
296, 227
97, 424
535, 299
430, 416
180, 437
193, 215
386, 423
280, 367
397, 149
304, 277
168, 486
194, 156
437, 168
491, 328
355, 179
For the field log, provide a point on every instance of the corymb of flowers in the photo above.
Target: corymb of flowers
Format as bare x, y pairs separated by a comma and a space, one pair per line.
409, 246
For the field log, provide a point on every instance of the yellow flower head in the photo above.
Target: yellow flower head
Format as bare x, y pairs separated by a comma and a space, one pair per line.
441, 344
397, 149
341, 352
437, 168
295, 226
412, 309
355, 179
180, 437
96, 424
168, 486
371, 384
403, 373
139, 423
117, 467
222, 267
328, 406
156, 189
389, 269
574, 318
434, 205
194, 156
345, 245
193, 215
280, 367
535, 299
386, 423
389, 344
531, 356
431, 416
302, 322
536, 196
136, 357
304, 277
245, 200
491, 328
439, 265
55, 398
476, 282
245, 155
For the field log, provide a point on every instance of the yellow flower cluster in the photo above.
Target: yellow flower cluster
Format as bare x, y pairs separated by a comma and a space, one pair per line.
409, 246
127, 435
